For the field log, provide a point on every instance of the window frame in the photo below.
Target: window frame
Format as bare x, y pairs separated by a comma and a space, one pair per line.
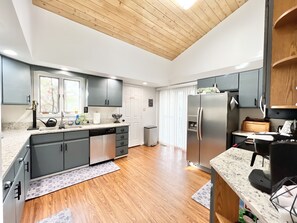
61, 77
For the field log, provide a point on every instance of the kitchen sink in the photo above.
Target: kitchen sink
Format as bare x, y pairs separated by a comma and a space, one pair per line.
48, 128
73, 126
57, 127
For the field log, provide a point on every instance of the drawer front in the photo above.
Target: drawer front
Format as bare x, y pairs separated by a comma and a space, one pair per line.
122, 143
21, 155
238, 139
120, 151
46, 138
123, 129
7, 181
122, 136
76, 135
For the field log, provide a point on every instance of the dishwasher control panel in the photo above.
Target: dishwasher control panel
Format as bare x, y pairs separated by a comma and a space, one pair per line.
104, 131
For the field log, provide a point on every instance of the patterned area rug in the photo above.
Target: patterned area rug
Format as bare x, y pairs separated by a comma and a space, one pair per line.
202, 196
50, 184
61, 217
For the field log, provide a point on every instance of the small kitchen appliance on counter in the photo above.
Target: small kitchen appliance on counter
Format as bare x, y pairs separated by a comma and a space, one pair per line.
96, 118
282, 153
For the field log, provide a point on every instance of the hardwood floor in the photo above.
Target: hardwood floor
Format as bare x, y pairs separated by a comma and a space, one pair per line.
154, 184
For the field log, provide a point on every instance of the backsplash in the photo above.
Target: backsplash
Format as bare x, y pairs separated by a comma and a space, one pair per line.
17, 117
256, 113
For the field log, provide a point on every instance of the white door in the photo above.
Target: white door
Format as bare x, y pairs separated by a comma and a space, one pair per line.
132, 113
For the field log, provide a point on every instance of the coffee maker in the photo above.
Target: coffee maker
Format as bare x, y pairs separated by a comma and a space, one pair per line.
282, 153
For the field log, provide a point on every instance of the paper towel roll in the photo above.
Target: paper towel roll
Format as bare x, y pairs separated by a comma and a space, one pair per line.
96, 118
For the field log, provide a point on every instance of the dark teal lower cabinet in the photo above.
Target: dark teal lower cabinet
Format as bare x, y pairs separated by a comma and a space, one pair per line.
27, 168
14, 202
9, 207
56, 152
122, 139
76, 153
47, 159
19, 192
15, 185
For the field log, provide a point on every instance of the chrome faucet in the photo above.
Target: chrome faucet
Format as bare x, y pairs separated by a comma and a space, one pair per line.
62, 125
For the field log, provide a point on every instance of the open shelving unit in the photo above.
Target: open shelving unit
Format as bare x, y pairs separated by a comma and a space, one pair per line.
283, 91
288, 17
285, 62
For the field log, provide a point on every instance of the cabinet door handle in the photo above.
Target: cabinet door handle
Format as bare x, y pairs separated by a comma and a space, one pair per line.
18, 190
65, 147
27, 167
61, 147
21, 159
29, 98
255, 101
7, 185
108, 102
105, 102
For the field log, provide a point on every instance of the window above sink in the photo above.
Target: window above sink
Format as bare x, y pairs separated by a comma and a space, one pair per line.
58, 93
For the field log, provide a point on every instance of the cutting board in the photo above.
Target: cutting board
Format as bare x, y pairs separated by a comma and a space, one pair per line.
252, 126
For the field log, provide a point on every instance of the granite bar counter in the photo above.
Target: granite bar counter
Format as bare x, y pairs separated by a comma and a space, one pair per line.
13, 140
230, 171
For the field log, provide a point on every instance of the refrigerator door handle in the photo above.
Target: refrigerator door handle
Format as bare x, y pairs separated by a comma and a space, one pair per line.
198, 113
262, 107
200, 123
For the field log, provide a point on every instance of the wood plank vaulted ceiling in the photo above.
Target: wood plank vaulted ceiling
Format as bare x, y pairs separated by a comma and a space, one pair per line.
161, 27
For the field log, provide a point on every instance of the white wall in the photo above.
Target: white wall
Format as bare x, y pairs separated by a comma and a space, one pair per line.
58, 40
149, 114
238, 39
24, 15
11, 34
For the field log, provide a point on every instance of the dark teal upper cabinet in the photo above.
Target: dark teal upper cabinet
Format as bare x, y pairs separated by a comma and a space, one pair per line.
206, 82
104, 92
250, 88
16, 82
114, 93
227, 82
97, 88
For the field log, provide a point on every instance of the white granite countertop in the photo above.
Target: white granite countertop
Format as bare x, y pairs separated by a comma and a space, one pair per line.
13, 140
242, 133
234, 167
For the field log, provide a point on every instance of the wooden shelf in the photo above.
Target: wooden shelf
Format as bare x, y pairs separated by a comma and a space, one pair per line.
286, 61
222, 219
288, 17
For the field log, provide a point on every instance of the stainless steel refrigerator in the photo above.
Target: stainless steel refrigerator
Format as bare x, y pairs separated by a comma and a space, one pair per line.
210, 124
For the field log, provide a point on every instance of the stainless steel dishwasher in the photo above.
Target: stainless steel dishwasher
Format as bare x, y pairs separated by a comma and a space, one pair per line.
102, 145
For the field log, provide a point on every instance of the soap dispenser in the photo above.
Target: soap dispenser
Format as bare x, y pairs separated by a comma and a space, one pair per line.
77, 120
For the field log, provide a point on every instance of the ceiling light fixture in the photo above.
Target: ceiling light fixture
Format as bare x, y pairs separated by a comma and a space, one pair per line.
113, 77
186, 4
10, 52
144, 83
64, 68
